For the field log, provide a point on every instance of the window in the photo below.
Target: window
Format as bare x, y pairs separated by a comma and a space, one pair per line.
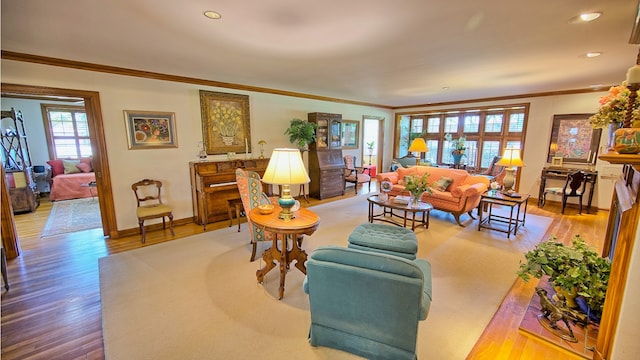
67, 131
487, 131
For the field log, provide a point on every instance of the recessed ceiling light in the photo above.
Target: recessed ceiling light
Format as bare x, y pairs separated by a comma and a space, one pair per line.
593, 54
586, 17
212, 14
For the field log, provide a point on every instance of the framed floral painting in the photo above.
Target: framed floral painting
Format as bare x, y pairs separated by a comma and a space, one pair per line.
150, 129
225, 122
573, 139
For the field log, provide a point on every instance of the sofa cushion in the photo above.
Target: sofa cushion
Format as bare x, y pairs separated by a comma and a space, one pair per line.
56, 167
404, 172
71, 166
443, 183
84, 167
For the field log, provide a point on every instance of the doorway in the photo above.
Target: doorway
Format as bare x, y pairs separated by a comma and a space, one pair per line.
100, 161
372, 139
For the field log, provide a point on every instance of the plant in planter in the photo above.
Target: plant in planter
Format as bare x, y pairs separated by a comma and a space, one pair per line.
576, 268
301, 133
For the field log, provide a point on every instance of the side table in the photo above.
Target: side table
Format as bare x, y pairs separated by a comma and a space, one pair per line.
305, 223
517, 214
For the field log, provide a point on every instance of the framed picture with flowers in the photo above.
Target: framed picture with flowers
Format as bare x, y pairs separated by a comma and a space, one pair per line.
225, 122
150, 129
573, 139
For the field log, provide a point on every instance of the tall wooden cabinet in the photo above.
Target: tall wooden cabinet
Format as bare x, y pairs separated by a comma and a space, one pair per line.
214, 182
326, 164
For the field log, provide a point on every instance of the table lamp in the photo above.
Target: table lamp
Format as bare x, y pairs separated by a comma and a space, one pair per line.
510, 159
286, 168
418, 145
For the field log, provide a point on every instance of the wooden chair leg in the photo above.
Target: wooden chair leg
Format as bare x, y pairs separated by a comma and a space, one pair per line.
170, 224
142, 231
254, 246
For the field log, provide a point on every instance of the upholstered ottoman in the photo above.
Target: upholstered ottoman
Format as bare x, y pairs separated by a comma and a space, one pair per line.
387, 239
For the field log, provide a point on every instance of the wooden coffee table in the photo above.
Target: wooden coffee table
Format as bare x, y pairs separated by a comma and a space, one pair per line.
389, 205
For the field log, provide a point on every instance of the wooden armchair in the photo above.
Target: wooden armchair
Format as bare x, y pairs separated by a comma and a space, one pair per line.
354, 174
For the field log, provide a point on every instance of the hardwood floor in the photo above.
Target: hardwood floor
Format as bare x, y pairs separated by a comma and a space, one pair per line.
52, 310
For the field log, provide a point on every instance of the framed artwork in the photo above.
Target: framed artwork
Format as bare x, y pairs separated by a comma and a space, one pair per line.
150, 129
573, 139
350, 135
225, 122
556, 161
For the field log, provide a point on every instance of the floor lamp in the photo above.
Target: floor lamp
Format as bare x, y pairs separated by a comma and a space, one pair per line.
286, 168
418, 145
510, 159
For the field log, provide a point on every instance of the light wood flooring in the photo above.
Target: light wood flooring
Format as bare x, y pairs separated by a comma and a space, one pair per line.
52, 310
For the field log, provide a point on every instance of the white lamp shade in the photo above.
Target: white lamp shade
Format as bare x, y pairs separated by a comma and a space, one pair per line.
511, 158
285, 167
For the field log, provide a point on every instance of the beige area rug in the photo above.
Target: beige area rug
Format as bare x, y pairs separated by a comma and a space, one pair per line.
197, 297
72, 215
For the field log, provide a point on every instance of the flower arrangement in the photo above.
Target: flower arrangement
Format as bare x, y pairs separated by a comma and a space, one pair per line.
229, 118
417, 185
458, 146
613, 108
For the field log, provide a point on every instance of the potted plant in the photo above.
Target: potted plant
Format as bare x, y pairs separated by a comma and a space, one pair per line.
574, 268
301, 133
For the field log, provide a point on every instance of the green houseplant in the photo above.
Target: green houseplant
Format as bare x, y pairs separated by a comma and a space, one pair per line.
301, 133
575, 267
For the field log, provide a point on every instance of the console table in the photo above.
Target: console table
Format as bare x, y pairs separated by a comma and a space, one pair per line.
561, 173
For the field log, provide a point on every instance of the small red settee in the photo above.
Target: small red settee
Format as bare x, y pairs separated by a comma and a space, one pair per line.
69, 179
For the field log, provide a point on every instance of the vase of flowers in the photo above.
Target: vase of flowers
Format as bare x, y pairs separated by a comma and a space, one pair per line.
417, 185
458, 147
612, 111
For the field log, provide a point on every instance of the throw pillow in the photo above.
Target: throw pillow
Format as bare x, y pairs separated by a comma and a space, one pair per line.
71, 166
442, 184
88, 161
84, 167
57, 167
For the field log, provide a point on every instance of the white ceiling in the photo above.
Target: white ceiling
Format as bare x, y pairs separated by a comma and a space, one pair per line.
393, 53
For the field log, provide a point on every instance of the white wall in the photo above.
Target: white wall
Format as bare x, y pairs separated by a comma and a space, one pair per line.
270, 115
538, 133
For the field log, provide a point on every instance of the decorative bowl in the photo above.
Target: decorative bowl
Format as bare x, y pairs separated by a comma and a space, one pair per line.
265, 209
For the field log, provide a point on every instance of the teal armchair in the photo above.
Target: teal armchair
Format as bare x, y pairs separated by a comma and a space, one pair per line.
367, 303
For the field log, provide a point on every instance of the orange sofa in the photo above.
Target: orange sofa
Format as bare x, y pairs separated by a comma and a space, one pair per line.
461, 196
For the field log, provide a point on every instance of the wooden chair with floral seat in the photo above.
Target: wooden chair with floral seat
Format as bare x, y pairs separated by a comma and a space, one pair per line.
150, 205
354, 174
